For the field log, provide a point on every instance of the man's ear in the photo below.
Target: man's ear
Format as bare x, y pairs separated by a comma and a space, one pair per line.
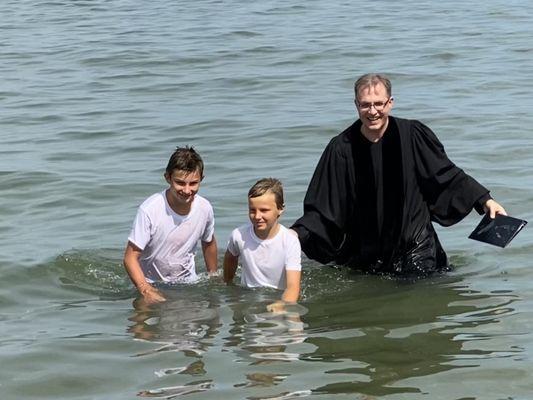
167, 177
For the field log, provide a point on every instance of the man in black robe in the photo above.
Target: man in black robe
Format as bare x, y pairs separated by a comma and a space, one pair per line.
378, 186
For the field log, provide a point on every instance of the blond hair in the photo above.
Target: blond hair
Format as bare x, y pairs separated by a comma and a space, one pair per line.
272, 185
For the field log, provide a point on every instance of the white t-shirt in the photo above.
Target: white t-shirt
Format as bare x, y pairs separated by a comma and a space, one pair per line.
168, 240
264, 261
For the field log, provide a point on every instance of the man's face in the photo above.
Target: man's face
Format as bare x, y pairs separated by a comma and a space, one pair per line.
183, 186
374, 105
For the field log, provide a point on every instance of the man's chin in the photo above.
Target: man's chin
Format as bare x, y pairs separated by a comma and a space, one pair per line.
374, 125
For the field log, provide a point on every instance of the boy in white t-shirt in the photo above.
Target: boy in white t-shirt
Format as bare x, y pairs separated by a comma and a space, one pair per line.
164, 237
270, 254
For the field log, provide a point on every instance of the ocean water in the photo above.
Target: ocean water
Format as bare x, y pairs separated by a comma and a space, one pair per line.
96, 94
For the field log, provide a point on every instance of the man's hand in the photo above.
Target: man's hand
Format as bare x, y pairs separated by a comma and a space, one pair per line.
493, 208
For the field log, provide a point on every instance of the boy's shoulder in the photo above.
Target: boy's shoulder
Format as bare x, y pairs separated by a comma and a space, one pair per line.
242, 231
156, 200
288, 239
202, 201
202, 206
286, 234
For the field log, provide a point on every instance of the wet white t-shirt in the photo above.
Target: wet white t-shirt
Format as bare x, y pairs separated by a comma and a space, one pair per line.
168, 240
264, 262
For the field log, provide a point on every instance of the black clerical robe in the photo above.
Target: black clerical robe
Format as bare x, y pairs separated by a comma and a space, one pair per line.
370, 205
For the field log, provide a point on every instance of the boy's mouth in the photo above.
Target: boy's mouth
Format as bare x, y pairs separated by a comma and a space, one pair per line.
186, 197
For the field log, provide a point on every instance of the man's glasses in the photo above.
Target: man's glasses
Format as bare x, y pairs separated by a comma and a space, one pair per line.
378, 105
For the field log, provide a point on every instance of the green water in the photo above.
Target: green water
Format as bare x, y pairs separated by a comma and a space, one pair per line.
96, 94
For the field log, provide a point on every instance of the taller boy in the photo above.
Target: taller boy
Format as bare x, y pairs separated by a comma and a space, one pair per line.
164, 237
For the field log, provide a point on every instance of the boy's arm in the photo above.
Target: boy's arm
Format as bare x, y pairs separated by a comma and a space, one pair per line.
230, 266
293, 276
292, 292
210, 251
134, 270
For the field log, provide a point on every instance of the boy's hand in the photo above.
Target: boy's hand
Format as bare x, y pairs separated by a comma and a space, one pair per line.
150, 294
277, 307
215, 277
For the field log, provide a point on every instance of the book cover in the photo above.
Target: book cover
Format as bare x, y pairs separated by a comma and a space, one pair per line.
498, 231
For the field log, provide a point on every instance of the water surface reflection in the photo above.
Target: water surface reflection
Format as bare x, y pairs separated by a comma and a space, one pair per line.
352, 335
376, 334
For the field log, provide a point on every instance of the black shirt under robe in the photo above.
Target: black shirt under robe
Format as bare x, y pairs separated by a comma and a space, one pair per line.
370, 205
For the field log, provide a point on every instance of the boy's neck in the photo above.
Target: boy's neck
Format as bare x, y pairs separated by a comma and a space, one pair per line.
268, 234
178, 208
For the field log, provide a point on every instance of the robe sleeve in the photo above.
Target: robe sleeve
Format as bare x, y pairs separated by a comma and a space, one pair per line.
321, 229
449, 192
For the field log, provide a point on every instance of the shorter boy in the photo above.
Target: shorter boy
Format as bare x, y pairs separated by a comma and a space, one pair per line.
164, 237
270, 254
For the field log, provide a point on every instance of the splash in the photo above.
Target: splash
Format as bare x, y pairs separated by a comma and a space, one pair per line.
97, 271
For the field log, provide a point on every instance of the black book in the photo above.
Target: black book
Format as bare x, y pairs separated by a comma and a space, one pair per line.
498, 231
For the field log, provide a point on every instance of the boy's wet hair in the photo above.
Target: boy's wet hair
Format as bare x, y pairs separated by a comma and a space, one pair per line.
265, 185
185, 159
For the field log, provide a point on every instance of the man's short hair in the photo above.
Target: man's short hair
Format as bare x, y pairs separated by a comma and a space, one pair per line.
185, 159
265, 185
369, 80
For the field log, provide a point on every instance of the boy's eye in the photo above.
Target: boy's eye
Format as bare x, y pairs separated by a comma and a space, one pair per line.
183, 183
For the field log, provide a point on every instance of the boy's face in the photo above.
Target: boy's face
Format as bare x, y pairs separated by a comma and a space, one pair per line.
263, 213
183, 186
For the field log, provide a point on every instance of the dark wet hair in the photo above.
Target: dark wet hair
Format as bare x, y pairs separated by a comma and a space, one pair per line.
185, 159
265, 185
372, 80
